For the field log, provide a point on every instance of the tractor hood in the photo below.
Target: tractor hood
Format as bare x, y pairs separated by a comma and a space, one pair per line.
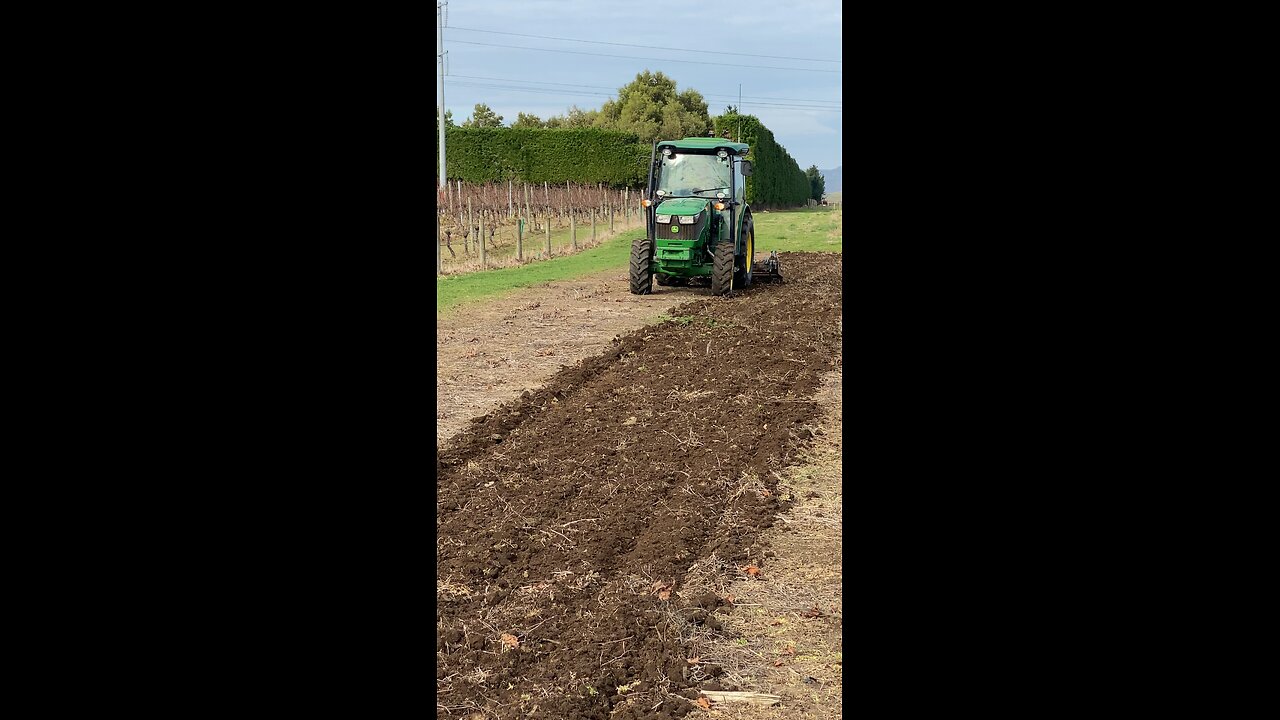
681, 206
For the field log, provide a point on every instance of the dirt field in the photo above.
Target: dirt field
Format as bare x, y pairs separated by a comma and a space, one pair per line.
590, 532
785, 635
490, 351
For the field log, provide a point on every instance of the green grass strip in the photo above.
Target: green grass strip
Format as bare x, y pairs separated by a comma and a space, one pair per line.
809, 230
452, 290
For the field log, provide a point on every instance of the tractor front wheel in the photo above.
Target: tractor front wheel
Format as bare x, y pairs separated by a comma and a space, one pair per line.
641, 266
722, 269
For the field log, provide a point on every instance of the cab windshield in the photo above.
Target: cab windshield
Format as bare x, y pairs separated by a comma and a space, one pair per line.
685, 175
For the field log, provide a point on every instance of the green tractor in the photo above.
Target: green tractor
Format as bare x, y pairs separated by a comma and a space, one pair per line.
698, 224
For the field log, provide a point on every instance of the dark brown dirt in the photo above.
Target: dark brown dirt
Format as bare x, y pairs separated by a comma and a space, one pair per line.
489, 352
569, 521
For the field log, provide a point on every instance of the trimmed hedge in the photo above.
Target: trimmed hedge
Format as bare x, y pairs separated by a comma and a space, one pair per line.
776, 180
591, 155
535, 155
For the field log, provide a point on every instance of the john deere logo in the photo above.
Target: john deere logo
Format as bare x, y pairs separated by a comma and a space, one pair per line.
675, 228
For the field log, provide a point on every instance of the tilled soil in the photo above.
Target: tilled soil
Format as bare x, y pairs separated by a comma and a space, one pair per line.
488, 352
577, 525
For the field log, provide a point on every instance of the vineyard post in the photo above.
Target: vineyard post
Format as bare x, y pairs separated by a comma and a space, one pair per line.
439, 262
610, 217
548, 224
593, 226
471, 221
546, 192
510, 211
529, 213
482, 262
573, 229
465, 239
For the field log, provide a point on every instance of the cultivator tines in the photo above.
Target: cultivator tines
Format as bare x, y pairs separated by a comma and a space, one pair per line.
767, 271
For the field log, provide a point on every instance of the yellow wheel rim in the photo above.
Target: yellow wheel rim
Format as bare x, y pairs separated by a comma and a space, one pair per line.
751, 248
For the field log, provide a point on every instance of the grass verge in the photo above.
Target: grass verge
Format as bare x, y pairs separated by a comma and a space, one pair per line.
453, 290
810, 229
815, 229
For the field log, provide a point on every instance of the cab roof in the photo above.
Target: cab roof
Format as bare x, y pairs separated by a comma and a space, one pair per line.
707, 145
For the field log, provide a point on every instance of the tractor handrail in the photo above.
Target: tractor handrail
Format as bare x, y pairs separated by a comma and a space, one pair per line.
653, 158
649, 230
733, 196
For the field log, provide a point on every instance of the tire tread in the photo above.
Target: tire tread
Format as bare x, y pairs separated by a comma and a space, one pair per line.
641, 267
722, 269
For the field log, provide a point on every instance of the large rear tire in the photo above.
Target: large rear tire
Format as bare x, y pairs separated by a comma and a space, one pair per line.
722, 269
742, 275
641, 267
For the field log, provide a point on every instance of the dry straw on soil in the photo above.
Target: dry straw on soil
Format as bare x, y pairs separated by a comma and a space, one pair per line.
784, 636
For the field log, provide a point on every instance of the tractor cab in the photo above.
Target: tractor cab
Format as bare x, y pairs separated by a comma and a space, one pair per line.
698, 222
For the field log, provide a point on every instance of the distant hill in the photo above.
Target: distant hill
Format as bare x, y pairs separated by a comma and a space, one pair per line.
832, 178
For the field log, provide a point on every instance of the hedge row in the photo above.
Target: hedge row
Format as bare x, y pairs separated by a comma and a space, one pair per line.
777, 180
536, 155
591, 155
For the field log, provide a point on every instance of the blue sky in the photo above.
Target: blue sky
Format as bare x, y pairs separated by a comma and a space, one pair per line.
801, 107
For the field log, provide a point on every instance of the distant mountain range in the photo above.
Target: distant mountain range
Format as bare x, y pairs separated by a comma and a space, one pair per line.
832, 178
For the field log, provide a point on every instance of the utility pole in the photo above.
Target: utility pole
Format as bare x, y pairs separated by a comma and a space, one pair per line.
443, 180
440, 55
739, 117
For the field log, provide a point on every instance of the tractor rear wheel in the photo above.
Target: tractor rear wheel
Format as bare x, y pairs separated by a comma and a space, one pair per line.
641, 266
722, 269
742, 276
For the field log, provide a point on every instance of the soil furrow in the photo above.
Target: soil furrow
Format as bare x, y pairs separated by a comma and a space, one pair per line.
582, 529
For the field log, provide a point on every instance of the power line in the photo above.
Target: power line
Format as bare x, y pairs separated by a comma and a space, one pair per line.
537, 82
754, 98
605, 87
647, 47
793, 107
630, 57
544, 91
558, 92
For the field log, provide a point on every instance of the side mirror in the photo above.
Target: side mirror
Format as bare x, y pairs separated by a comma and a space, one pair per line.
746, 168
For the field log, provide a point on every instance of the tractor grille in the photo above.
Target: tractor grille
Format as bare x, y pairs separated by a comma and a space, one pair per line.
687, 232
